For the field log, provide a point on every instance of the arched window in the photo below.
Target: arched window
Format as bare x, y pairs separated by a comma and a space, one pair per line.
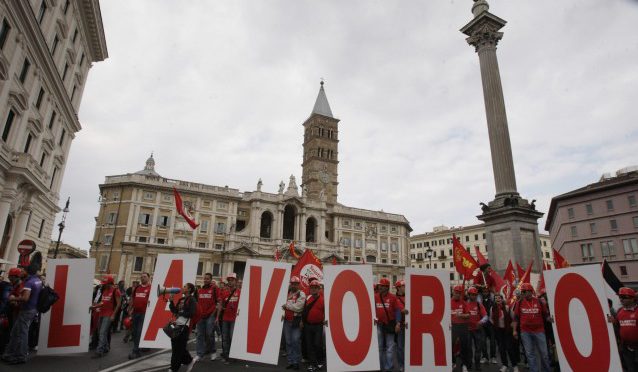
311, 228
290, 213
265, 230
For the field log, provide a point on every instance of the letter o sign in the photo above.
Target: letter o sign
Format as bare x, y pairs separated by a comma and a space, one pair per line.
573, 286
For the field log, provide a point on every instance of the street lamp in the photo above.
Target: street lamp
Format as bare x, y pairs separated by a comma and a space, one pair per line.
61, 226
428, 253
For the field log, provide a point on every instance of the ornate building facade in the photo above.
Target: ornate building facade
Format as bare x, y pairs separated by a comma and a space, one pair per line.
433, 249
46, 50
138, 220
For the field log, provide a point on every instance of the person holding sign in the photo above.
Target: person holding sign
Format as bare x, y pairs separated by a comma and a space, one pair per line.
531, 313
387, 312
313, 318
400, 288
228, 313
184, 311
460, 315
108, 307
478, 317
627, 317
292, 322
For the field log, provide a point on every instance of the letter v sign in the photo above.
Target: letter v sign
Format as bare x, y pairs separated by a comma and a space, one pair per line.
259, 317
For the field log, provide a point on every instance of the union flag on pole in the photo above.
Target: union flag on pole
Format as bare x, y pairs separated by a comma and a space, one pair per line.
464, 263
308, 266
292, 250
559, 261
183, 212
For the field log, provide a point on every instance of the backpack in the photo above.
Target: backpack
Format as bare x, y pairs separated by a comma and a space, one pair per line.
46, 299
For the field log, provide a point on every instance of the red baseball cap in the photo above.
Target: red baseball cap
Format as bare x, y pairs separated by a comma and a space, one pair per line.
527, 287
108, 279
472, 290
15, 271
624, 291
459, 288
384, 282
231, 276
315, 283
400, 283
294, 279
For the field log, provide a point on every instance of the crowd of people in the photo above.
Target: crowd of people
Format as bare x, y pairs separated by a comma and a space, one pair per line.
486, 328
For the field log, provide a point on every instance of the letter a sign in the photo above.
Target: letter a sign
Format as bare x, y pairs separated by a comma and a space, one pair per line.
258, 325
584, 339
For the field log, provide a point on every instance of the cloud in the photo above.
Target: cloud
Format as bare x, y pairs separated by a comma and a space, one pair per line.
218, 90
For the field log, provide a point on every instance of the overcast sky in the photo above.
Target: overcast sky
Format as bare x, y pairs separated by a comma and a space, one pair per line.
219, 90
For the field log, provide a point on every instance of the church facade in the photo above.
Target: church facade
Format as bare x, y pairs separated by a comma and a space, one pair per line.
137, 219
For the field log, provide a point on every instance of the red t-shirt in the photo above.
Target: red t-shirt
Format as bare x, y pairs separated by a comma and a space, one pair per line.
477, 312
628, 327
458, 307
531, 315
390, 303
140, 298
231, 302
108, 301
317, 312
207, 300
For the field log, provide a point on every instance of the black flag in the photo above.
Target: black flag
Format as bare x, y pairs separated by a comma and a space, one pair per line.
611, 278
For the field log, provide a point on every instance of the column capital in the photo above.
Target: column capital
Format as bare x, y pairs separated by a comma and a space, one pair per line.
483, 31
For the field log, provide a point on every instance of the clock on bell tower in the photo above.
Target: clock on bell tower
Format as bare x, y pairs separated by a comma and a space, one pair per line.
320, 151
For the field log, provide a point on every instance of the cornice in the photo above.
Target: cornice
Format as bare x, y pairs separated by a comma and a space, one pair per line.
91, 18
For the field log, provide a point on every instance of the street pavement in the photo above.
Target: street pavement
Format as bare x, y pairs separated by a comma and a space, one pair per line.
153, 360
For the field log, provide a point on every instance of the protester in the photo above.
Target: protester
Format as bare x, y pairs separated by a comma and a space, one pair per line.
109, 305
486, 298
387, 313
626, 318
478, 317
207, 297
460, 316
228, 313
26, 300
137, 310
184, 311
313, 318
10, 309
119, 314
531, 313
501, 321
400, 337
292, 320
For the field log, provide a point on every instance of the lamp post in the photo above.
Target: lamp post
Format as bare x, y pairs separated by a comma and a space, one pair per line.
61, 226
428, 253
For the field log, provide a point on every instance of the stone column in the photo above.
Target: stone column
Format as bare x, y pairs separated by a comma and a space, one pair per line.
484, 36
18, 232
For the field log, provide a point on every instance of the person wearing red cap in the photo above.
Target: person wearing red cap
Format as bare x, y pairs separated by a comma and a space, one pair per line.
108, 306
228, 303
400, 293
387, 313
626, 318
478, 317
313, 319
292, 320
530, 313
207, 299
460, 315
140, 295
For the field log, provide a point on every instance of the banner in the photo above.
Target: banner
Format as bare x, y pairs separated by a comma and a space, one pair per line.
66, 326
308, 266
584, 339
258, 326
351, 336
171, 270
428, 336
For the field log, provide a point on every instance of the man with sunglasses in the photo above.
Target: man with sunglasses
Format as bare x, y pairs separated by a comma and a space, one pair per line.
531, 314
626, 318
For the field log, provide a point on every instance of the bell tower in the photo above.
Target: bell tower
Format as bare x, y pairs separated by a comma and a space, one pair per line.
320, 152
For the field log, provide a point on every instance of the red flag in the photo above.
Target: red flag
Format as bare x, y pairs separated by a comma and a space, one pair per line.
494, 280
509, 278
479, 256
528, 273
464, 263
541, 283
182, 212
519, 271
292, 250
334, 260
559, 261
308, 266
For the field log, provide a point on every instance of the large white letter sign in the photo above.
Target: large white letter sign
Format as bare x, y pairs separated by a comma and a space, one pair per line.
171, 270
584, 339
351, 336
427, 338
65, 328
258, 326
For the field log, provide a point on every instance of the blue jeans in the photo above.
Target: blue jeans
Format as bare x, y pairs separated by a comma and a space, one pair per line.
138, 322
104, 329
293, 342
532, 341
18, 347
401, 348
205, 336
386, 349
227, 337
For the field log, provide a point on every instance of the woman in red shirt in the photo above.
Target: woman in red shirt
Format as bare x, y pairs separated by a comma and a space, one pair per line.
502, 324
